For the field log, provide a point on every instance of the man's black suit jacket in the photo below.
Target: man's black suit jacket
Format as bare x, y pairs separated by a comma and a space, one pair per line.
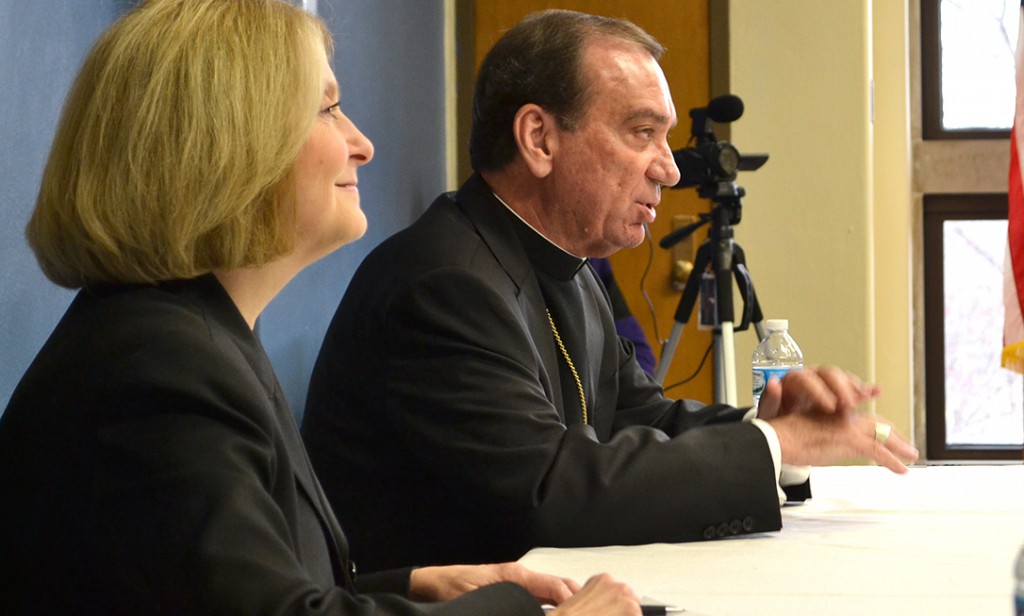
149, 464
445, 426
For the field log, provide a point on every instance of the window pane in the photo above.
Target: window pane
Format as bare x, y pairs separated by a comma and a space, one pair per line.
984, 402
978, 38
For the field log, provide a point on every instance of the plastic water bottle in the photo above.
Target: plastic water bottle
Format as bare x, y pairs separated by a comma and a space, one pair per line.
1018, 578
777, 354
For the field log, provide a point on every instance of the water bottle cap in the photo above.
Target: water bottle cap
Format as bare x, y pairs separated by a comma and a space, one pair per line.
776, 325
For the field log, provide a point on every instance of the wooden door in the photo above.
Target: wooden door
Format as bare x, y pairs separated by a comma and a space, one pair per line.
682, 26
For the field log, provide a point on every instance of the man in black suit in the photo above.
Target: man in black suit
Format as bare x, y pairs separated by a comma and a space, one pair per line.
488, 406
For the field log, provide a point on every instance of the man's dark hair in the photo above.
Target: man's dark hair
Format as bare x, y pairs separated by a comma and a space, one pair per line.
539, 61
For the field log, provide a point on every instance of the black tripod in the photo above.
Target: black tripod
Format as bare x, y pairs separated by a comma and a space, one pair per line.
718, 259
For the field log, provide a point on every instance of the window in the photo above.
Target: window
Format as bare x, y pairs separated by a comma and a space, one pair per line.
967, 62
973, 407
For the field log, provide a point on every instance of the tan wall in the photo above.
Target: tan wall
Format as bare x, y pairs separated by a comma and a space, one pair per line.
826, 225
893, 213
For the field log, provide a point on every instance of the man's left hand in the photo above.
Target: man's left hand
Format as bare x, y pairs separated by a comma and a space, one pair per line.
826, 389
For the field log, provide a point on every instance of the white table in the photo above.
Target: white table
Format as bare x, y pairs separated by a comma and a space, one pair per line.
939, 540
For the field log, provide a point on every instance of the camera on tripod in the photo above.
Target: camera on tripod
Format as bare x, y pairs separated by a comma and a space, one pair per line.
711, 165
710, 161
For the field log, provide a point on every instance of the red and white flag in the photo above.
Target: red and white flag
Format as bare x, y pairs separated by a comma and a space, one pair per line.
1013, 269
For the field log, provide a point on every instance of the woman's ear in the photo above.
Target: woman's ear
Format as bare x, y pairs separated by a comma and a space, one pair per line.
535, 132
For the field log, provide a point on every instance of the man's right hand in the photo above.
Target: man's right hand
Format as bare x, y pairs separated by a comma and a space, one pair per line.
819, 439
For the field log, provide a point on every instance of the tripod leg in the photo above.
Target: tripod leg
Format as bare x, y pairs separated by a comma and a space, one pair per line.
667, 351
683, 311
725, 365
752, 308
751, 305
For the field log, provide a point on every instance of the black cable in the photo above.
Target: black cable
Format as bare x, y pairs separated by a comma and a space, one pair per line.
643, 284
700, 367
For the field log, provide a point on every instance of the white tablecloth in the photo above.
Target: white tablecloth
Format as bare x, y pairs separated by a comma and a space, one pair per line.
939, 540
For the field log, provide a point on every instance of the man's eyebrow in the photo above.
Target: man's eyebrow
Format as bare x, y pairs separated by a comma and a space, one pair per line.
650, 115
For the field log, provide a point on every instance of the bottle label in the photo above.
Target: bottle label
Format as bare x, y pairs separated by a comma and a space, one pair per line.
763, 375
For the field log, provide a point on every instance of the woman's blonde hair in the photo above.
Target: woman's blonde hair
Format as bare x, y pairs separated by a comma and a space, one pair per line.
174, 151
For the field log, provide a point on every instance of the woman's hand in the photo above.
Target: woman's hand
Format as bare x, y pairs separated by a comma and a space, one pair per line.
601, 596
442, 583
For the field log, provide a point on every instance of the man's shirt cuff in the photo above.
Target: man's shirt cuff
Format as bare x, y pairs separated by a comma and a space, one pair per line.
785, 474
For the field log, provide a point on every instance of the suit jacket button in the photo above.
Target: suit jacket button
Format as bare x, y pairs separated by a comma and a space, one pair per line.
710, 532
352, 570
748, 523
723, 529
735, 527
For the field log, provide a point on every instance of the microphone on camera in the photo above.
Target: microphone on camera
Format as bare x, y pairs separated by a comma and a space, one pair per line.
722, 109
725, 108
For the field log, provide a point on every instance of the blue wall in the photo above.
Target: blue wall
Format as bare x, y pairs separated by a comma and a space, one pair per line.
389, 63
42, 45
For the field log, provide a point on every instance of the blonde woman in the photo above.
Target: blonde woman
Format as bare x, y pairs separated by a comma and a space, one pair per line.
149, 463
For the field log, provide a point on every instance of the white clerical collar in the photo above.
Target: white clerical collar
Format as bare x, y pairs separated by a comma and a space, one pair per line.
534, 229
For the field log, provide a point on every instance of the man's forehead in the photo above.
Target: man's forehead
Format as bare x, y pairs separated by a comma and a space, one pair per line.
609, 58
625, 73
649, 104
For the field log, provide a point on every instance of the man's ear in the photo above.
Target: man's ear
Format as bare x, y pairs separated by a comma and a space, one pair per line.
535, 132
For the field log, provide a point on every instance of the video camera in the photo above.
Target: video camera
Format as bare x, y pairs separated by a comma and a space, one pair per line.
709, 160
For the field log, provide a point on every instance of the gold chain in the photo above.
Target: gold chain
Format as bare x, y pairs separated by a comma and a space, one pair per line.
572, 368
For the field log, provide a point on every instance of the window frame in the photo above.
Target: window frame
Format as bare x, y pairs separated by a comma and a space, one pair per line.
939, 208
931, 82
